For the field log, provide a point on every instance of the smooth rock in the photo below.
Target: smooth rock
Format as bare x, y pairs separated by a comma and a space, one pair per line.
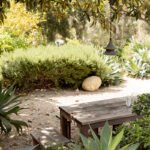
91, 83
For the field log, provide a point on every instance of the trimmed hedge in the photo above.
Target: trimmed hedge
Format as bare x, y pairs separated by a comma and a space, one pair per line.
52, 66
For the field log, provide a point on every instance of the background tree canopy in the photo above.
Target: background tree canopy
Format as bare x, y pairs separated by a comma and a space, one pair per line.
97, 9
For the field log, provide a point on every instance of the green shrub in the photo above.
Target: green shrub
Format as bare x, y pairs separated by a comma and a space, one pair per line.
139, 130
20, 23
64, 66
8, 42
9, 104
20, 29
142, 105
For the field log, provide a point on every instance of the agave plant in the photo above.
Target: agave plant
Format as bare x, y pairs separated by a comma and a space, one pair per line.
9, 104
115, 75
104, 142
139, 65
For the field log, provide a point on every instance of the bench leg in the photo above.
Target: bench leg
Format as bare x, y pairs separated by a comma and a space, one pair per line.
35, 143
96, 131
84, 130
65, 127
69, 129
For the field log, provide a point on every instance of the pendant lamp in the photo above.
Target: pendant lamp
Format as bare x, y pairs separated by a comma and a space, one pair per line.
110, 48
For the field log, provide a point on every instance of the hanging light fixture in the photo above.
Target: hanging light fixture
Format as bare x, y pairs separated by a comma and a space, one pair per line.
110, 49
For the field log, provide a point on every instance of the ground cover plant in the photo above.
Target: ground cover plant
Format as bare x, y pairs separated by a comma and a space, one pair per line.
139, 130
53, 66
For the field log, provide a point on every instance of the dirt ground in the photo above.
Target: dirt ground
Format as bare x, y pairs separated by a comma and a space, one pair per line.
42, 108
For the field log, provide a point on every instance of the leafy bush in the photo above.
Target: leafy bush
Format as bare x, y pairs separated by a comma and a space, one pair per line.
139, 130
9, 43
105, 142
9, 104
20, 29
142, 105
64, 66
20, 23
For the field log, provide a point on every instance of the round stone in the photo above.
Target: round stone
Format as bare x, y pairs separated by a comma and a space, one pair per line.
92, 83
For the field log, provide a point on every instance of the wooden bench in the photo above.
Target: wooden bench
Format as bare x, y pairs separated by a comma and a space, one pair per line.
46, 137
95, 114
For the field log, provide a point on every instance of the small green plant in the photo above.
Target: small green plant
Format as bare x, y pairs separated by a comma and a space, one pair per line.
139, 130
105, 142
142, 105
9, 104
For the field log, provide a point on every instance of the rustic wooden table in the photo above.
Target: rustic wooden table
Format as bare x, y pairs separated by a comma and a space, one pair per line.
94, 114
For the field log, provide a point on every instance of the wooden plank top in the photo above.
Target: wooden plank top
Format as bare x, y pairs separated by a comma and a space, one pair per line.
48, 136
93, 112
